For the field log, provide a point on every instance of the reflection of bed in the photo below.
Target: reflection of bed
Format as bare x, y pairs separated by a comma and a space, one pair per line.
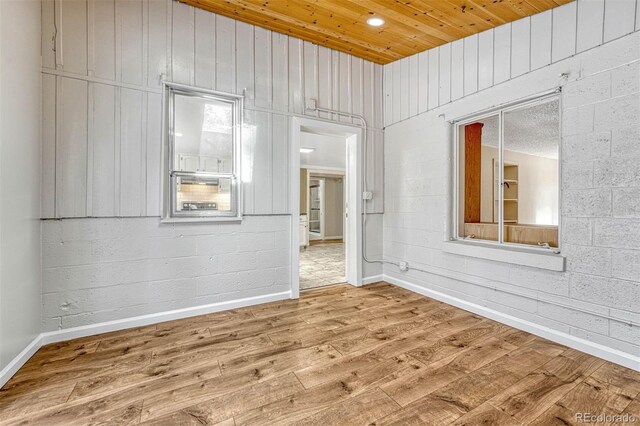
514, 233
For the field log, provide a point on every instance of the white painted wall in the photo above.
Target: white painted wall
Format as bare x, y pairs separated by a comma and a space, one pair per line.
597, 297
101, 145
102, 100
19, 176
97, 270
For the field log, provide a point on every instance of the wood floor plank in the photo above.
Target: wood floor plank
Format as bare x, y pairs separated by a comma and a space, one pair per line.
315, 399
359, 410
619, 376
147, 341
63, 350
408, 388
97, 412
632, 410
305, 336
590, 396
63, 372
373, 337
23, 404
454, 343
486, 414
178, 398
474, 389
429, 335
280, 360
221, 407
212, 348
429, 410
572, 365
557, 415
448, 366
477, 387
375, 316
532, 396
522, 361
195, 367
546, 346
338, 355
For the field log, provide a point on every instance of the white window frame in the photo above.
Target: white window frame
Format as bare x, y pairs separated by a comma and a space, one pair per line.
501, 244
169, 175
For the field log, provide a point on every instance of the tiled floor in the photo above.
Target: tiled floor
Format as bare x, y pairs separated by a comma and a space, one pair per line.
322, 264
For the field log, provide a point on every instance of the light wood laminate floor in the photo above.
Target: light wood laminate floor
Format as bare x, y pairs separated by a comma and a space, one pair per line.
339, 355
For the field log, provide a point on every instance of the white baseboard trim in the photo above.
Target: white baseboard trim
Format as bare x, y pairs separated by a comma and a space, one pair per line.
16, 363
372, 279
583, 345
139, 321
595, 349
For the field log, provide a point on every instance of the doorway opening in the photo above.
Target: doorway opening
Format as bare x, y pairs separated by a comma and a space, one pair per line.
322, 253
326, 207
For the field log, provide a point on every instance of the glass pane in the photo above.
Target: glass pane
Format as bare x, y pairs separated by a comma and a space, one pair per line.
531, 174
478, 153
203, 130
206, 196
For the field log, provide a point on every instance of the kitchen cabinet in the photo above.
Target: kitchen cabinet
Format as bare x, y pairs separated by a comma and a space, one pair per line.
204, 163
188, 163
209, 164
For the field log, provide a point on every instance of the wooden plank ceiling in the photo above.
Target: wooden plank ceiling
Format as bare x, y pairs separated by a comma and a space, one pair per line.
411, 26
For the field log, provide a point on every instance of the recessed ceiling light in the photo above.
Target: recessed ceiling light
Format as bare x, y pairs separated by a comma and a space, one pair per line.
307, 150
178, 134
375, 21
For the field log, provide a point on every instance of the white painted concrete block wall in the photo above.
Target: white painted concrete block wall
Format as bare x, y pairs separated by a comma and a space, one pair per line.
101, 149
97, 270
600, 230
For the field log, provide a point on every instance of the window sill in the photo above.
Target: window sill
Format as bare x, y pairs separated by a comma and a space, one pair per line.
515, 255
201, 219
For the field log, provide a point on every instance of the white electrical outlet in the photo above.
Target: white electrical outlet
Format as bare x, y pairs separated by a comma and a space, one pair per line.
367, 195
404, 266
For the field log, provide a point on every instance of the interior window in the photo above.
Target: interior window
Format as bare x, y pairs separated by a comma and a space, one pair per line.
508, 175
203, 155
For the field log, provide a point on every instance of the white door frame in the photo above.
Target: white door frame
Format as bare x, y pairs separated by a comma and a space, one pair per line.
353, 231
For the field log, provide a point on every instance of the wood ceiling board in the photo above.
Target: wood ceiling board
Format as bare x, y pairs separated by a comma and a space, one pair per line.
348, 29
412, 26
419, 22
400, 26
278, 25
350, 23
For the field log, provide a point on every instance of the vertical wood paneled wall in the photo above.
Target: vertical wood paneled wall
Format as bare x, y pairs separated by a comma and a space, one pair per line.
444, 74
103, 61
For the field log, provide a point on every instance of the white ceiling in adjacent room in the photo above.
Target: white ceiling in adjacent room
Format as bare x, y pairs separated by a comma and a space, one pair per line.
328, 151
534, 130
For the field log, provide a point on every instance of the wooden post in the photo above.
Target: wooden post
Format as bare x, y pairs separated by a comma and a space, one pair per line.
472, 172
